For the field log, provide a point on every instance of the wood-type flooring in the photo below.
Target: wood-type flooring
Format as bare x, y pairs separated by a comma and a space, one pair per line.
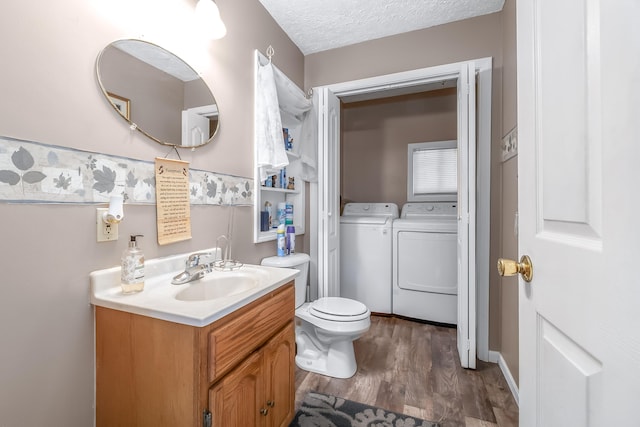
413, 368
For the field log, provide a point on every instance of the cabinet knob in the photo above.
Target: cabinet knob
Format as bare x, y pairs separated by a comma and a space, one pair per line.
264, 411
271, 403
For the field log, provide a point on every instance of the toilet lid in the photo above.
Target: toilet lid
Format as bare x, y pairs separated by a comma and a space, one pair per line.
339, 309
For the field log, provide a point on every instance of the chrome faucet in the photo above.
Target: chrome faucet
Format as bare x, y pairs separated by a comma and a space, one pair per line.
194, 270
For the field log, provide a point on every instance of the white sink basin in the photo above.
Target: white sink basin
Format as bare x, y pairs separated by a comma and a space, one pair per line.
196, 303
219, 285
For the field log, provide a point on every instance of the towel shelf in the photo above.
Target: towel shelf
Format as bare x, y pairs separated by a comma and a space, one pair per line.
275, 195
279, 190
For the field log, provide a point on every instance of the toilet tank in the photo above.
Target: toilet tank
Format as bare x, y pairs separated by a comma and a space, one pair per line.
299, 261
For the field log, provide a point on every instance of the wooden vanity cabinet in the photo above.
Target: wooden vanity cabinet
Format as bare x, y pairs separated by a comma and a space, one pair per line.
260, 391
238, 371
279, 370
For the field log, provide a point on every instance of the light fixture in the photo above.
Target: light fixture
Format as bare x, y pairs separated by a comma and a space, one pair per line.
209, 21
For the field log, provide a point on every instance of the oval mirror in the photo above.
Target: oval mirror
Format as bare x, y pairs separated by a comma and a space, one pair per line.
157, 92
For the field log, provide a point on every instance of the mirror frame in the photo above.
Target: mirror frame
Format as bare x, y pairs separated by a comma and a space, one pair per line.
109, 96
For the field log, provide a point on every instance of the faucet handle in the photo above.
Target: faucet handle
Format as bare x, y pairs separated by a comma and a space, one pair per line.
194, 259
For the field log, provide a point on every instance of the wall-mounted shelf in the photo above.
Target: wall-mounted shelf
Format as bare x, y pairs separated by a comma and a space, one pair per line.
275, 195
279, 190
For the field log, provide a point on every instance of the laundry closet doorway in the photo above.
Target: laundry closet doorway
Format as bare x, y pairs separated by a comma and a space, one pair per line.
473, 82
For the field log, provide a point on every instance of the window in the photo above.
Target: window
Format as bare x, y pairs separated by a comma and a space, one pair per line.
432, 171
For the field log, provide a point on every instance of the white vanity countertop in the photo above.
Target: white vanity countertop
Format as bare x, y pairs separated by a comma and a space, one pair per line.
158, 299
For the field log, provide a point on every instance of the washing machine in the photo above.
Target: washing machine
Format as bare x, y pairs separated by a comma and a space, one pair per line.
425, 260
365, 254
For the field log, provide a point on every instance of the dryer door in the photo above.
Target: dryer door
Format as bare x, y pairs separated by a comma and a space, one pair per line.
427, 262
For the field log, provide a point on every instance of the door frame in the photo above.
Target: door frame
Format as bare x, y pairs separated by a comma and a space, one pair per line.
418, 79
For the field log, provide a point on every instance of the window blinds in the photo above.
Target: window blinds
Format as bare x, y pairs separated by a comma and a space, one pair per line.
435, 171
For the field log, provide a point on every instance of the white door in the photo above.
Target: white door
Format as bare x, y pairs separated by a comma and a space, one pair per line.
195, 129
467, 215
196, 123
329, 194
579, 171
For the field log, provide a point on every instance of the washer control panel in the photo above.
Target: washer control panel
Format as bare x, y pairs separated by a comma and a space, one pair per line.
371, 209
417, 210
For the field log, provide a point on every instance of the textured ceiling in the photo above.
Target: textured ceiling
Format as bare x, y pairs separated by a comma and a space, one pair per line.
158, 57
317, 25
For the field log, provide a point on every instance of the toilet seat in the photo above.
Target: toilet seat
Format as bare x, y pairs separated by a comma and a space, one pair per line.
339, 309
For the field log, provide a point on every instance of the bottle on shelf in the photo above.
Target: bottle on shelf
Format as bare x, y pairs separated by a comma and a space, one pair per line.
288, 217
282, 213
288, 140
280, 241
268, 208
291, 239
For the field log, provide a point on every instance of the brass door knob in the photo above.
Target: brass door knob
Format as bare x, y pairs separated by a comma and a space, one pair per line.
264, 411
509, 267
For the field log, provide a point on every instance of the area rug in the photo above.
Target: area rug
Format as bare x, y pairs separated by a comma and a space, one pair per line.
322, 410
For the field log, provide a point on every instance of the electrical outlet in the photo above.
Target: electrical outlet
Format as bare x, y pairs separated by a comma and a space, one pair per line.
105, 232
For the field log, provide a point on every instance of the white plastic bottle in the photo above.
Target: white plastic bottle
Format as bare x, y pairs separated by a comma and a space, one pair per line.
282, 213
132, 274
288, 213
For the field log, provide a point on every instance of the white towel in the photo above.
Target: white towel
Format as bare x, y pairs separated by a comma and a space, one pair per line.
270, 150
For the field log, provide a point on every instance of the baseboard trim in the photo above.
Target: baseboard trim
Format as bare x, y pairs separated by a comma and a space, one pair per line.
496, 357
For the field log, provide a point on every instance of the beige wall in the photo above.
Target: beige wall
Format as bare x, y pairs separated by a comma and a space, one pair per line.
374, 140
509, 285
50, 95
459, 41
508, 288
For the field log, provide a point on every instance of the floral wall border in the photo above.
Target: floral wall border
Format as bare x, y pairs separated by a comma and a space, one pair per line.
33, 172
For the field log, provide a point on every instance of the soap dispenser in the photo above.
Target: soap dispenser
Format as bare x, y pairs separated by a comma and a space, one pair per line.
132, 275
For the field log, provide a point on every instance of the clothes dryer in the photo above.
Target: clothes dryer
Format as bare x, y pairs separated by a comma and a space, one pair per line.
365, 254
425, 272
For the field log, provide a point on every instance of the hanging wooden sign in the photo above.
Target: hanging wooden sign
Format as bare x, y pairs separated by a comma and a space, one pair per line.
172, 198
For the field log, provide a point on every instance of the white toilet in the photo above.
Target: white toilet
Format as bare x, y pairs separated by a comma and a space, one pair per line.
325, 328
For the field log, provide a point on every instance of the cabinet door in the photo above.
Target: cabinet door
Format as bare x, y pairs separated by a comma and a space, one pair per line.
279, 356
237, 399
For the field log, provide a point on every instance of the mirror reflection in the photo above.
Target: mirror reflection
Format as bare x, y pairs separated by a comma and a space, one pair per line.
158, 92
